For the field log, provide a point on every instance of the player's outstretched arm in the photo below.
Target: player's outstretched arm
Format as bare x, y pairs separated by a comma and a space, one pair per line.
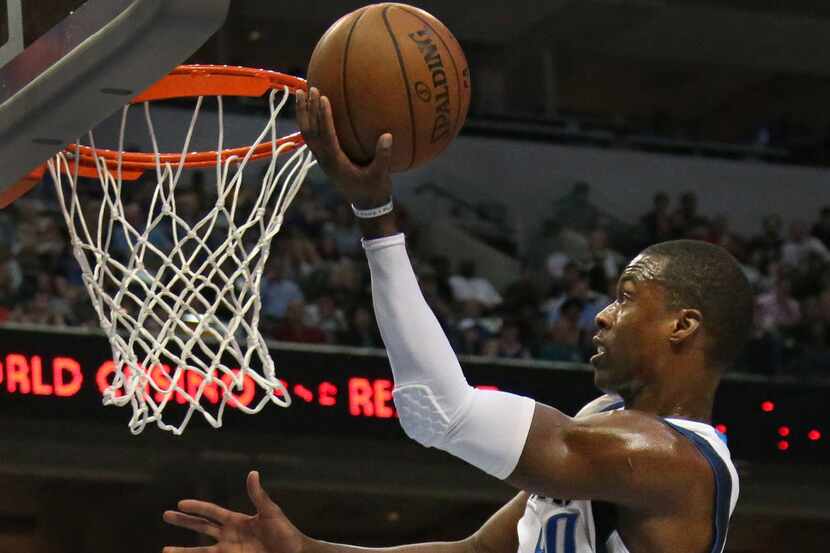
436, 406
270, 531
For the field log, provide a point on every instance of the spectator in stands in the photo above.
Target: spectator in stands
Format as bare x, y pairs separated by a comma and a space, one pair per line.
764, 255
310, 259
327, 249
686, 219
136, 217
607, 261
657, 223
443, 271
307, 213
800, 246
521, 304
778, 310
508, 343
720, 234
815, 355
563, 341
469, 340
821, 229
439, 304
768, 244
345, 282
80, 310
189, 204
575, 210
11, 278
40, 310
325, 315
294, 328
467, 286
300, 251
316, 282
33, 253
764, 351
777, 315
362, 331
473, 329
523, 293
345, 232
592, 302
278, 291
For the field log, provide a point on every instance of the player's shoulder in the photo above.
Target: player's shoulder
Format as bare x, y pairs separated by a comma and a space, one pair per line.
642, 449
637, 435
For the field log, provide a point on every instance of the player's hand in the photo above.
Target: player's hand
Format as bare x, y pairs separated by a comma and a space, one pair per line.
365, 186
269, 531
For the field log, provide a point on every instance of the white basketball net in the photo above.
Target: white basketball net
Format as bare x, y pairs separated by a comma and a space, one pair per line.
182, 313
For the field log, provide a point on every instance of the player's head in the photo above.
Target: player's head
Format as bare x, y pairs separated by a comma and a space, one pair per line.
680, 305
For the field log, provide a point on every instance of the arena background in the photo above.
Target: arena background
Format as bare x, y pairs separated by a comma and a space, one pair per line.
725, 100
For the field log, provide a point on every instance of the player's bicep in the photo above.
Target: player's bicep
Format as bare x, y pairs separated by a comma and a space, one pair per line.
609, 457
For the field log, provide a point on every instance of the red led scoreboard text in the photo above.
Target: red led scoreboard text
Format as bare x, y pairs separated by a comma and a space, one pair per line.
64, 377
51, 374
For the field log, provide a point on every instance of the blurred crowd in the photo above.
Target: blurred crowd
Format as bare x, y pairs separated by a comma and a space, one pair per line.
316, 286
787, 263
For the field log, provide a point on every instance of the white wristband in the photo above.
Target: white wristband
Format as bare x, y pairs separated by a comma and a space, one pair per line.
374, 212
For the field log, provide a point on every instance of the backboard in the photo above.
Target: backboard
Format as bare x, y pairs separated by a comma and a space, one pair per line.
66, 65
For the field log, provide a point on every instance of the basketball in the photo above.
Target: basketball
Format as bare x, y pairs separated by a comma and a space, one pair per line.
392, 68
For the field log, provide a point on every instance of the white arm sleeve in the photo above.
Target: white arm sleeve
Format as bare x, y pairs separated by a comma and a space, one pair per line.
435, 404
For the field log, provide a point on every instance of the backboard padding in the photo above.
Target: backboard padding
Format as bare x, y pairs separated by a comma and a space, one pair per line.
88, 66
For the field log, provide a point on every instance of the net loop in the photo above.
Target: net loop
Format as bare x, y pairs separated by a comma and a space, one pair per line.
176, 292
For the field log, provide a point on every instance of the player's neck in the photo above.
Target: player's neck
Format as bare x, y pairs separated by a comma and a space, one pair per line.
675, 398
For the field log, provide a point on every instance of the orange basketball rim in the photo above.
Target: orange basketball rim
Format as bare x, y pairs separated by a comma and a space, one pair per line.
186, 81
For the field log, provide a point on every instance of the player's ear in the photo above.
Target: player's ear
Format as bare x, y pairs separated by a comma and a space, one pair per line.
686, 325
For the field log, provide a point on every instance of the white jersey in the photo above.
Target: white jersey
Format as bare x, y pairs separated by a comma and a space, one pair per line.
583, 526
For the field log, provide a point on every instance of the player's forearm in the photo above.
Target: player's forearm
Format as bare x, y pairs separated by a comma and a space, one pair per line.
463, 546
436, 406
419, 351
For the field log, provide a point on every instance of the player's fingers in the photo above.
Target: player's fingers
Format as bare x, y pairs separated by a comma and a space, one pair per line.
328, 133
197, 524
200, 549
324, 143
314, 112
259, 497
383, 156
302, 111
204, 509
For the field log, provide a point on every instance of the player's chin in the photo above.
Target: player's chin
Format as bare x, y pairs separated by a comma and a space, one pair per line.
599, 359
602, 376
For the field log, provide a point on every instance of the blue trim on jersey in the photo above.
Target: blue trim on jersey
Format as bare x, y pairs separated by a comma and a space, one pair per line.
723, 485
613, 407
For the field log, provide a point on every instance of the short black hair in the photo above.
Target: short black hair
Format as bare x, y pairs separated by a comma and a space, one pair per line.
703, 276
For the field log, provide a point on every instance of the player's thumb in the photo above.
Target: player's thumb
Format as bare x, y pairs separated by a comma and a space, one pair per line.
259, 497
383, 156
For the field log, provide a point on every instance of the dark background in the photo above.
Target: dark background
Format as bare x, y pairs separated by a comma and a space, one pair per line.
734, 79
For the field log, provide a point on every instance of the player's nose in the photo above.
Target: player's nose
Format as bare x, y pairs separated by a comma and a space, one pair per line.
603, 318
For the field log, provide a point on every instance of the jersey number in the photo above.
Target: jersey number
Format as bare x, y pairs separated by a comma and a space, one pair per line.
559, 534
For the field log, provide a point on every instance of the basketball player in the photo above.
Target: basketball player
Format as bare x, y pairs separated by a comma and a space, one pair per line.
638, 470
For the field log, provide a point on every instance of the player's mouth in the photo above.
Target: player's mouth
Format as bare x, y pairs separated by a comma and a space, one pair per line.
601, 351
